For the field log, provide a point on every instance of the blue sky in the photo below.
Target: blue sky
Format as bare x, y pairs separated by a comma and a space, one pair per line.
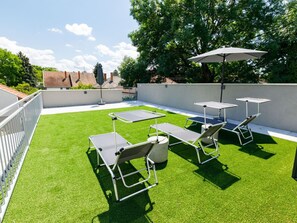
70, 35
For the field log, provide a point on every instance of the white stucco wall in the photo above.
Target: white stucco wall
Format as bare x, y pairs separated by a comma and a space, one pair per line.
58, 98
7, 99
279, 113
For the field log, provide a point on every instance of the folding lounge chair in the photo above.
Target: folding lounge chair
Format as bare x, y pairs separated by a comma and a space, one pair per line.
242, 130
114, 150
202, 120
192, 138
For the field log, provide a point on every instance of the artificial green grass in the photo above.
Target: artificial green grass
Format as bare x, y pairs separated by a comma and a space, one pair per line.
59, 183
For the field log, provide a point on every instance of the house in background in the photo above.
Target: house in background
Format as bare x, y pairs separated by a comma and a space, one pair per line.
9, 96
114, 81
83, 78
58, 80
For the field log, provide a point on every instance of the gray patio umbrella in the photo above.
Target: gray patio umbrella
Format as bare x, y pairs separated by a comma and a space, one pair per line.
100, 80
227, 54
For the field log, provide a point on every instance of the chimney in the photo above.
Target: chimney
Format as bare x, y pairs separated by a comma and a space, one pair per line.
78, 75
104, 76
65, 76
111, 77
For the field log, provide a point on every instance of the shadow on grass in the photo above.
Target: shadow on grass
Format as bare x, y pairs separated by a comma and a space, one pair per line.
213, 172
252, 148
231, 138
132, 209
217, 174
256, 150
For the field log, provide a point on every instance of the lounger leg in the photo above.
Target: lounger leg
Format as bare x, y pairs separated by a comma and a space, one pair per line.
115, 188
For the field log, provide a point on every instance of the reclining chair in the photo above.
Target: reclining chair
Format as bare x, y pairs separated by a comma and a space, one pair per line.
192, 138
242, 130
114, 150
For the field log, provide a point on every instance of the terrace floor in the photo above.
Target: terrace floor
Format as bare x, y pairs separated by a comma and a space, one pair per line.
59, 181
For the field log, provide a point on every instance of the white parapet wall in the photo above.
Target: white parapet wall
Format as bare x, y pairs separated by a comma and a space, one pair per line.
280, 113
62, 98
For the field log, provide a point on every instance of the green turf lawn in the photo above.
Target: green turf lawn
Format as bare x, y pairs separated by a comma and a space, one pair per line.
58, 182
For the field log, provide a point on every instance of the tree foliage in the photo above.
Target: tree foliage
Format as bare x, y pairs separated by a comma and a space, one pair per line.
171, 31
28, 75
281, 61
132, 72
25, 88
11, 69
83, 86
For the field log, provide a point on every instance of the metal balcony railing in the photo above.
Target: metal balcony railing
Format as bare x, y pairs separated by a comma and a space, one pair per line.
16, 130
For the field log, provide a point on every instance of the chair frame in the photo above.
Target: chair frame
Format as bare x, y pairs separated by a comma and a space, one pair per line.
196, 142
242, 130
115, 166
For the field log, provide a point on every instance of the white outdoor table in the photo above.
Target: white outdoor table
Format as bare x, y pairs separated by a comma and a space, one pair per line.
252, 100
215, 105
135, 116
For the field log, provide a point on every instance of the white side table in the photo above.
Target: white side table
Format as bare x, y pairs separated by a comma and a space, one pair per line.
205, 140
159, 153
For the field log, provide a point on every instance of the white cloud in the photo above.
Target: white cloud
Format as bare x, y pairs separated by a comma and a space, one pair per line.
116, 55
68, 45
55, 30
91, 38
78, 63
78, 51
110, 58
37, 57
46, 58
104, 50
81, 30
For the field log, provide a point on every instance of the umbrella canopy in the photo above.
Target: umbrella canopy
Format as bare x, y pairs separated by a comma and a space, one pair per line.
227, 54
99, 78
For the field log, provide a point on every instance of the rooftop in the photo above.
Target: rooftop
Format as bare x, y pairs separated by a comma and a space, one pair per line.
19, 94
59, 181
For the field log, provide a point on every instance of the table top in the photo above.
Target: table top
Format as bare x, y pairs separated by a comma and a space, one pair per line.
253, 100
136, 115
216, 105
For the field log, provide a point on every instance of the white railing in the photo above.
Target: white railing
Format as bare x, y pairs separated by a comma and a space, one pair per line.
16, 131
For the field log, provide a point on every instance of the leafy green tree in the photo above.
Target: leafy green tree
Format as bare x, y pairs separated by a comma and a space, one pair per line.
115, 72
171, 31
11, 69
28, 73
26, 88
281, 42
83, 86
132, 72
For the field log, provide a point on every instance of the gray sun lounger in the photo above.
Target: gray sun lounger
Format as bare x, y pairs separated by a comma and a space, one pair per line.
115, 150
192, 138
242, 130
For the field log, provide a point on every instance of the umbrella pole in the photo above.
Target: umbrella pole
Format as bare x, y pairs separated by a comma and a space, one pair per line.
222, 78
101, 100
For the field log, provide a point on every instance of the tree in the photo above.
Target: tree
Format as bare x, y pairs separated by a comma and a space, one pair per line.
11, 69
115, 72
25, 88
28, 73
132, 72
281, 42
171, 31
